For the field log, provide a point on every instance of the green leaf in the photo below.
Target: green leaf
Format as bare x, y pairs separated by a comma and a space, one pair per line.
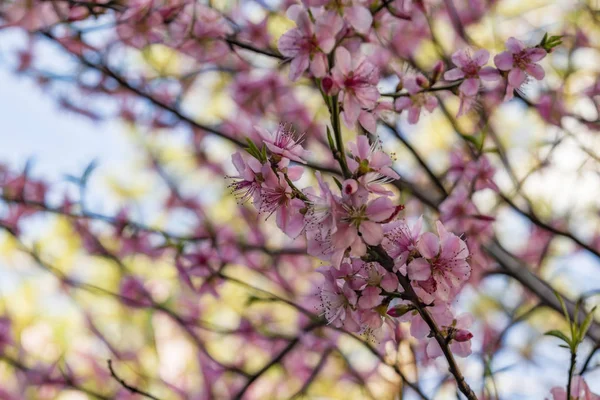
338, 183
476, 141
586, 324
560, 335
330, 140
563, 306
254, 151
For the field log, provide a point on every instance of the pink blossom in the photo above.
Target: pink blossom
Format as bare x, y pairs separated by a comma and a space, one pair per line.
308, 45
338, 302
460, 214
368, 118
460, 338
401, 240
284, 142
246, 184
276, 197
364, 157
472, 70
370, 298
579, 391
140, 25
415, 100
447, 255
356, 78
519, 61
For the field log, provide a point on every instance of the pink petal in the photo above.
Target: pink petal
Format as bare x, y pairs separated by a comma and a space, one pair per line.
461, 58
461, 349
402, 103
433, 349
318, 66
536, 71
469, 87
536, 54
413, 114
428, 245
489, 74
418, 328
516, 77
343, 61
360, 18
288, 43
380, 209
431, 103
363, 147
368, 121
481, 57
351, 108
389, 282
372, 232
370, 298
514, 45
419, 269
454, 74
504, 61
298, 66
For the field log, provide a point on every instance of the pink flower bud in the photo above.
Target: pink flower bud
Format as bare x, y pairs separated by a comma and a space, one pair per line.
422, 81
438, 70
462, 335
399, 310
327, 84
349, 187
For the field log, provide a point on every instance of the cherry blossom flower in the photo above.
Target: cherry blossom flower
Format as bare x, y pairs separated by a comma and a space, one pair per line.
472, 70
416, 99
276, 197
520, 62
356, 78
246, 185
579, 391
338, 302
284, 142
308, 45
447, 256
460, 338
364, 157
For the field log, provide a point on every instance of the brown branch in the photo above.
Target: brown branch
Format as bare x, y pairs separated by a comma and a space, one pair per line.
132, 389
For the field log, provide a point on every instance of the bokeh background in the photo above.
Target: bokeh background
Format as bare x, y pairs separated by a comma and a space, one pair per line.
53, 323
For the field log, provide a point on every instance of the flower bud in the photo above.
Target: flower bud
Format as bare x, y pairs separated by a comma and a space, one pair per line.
349, 186
438, 70
399, 310
422, 81
462, 335
327, 84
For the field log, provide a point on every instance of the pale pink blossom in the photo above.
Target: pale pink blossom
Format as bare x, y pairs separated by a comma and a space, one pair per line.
356, 79
246, 184
460, 338
471, 69
520, 62
308, 44
338, 302
284, 142
579, 391
415, 100
364, 157
447, 254
277, 197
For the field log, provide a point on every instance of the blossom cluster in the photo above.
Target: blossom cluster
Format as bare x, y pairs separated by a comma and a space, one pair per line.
343, 226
